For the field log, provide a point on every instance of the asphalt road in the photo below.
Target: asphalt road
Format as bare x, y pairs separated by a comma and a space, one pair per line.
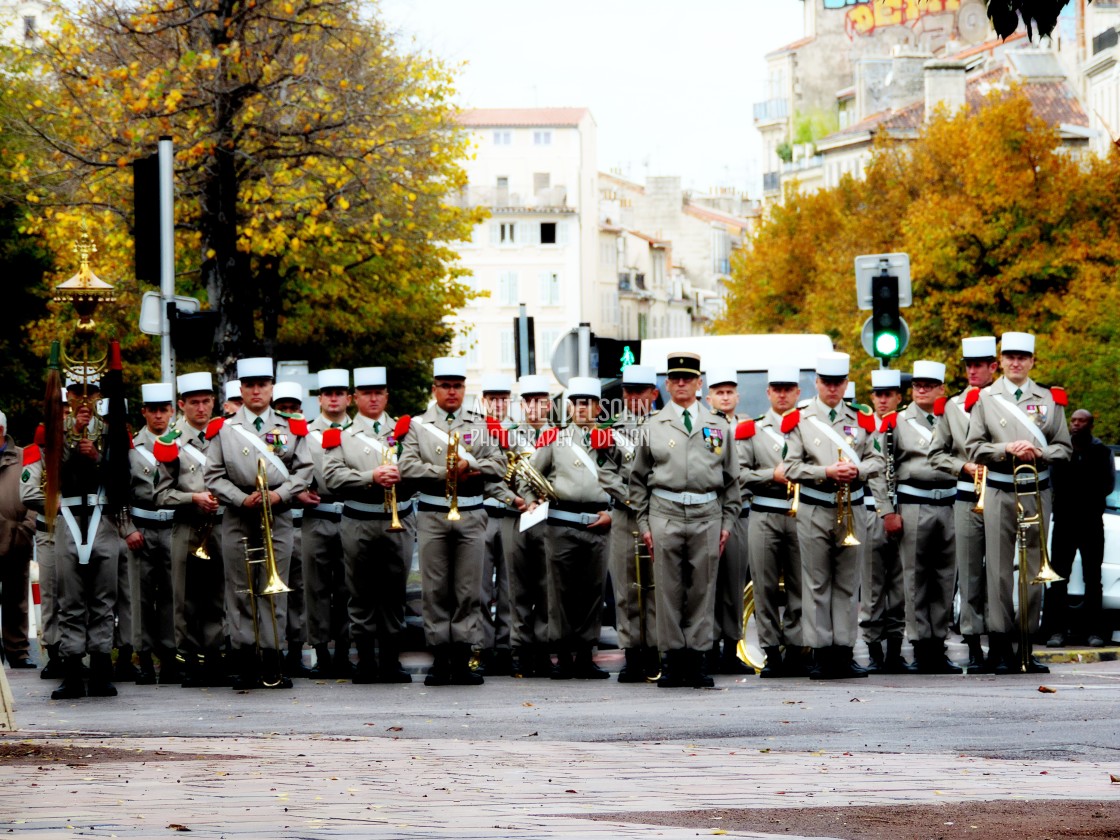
995, 717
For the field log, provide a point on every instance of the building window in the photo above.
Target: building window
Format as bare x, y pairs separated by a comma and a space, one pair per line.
542, 138
643, 330
470, 344
503, 138
550, 288
29, 28
541, 182
548, 341
606, 252
507, 354
507, 288
505, 233
548, 233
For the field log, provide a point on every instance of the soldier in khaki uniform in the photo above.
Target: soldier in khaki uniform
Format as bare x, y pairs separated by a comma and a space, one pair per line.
925, 502
197, 581
256, 434
775, 558
948, 454
882, 608
639, 393
17, 533
501, 508
576, 462
832, 452
1015, 421
156, 607
324, 571
451, 550
232, 401
360, 469
685, 487
734, 569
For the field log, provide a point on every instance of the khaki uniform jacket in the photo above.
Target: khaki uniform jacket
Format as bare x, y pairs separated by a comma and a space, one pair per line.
760, 455
145, 469
669, 458
348, 468
992, 426
315, 431
810, 452
17, 522
912, 449
569, 474
424, 455
947, 452
626, 431
180, 479
231, 460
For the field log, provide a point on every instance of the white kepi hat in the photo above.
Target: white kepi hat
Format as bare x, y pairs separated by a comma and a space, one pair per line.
850, 390
721, 376
833, 364
979, 347
334, 378
584, 386
925, 369
1017, 342
257, 367
783, 375
497, 383
886, 379
232, 390
532, 384
287, 391
369, 377
103, 407
449, 367
156, 393
639, 375
188, 383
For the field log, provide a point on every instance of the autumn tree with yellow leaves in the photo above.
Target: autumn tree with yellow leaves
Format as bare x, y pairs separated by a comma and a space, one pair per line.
1005, 229
316, 168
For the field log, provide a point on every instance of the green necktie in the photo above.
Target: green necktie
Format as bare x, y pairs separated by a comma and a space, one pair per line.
258, 423
202, 437
929, 418
1018, 393
587, 437
832, 415
335, 425
377, 427
687, 421
450, 417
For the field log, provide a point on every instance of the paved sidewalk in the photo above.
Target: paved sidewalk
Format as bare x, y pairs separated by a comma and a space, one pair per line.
375, 787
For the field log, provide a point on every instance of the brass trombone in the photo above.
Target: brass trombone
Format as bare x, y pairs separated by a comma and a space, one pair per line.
642, 590
451, 490
844, 515
980, 484
1046, 573
389, 458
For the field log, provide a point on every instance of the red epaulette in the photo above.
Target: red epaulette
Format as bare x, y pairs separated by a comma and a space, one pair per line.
547, 437
866, 420
40, 435
214, 426
332, 438
1060, 396
402, 427
497, 433
971, 398
939, 406
790, 420
745, 430
602, 438
298, 426
166, 453
31, 454
890, 421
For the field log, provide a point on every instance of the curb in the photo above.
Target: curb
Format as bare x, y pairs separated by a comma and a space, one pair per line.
1078, 655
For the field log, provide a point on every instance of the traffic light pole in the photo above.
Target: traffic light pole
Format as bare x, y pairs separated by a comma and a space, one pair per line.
166, 256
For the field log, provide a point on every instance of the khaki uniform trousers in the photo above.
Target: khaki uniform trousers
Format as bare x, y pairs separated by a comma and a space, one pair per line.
968, 528
685, 563
528, 584
830, 574
577, 575
128, 599
451, 559
775, 557
87, 593
237, 524
295, 624
624, 524
48, 585
1000, 559
929, 565
325, 576
731, 580
495, 580
198, 586
155, 608
882, 607
377, 562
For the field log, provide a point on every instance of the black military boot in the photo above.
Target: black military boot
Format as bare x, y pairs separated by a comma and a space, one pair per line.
169, 671
191, 671
366, 671
730, 663
674, 672
976, 663
53, 669
1000, 654
322, 669
939, 662
272, 672
440, 672
773, 666
73, 685
822, 667
522, 662
874, 658
147, 674
894, 663
247, 675
212, 666
341, 667
846, 665
564, 669
698, 673
293, 661
100, 674
633, 670
585, 667
389, 668
461, 672
501, 663
795, 662
712, 658
542, 661
1034, 665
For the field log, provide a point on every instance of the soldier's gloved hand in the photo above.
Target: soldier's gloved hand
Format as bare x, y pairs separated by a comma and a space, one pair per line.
205, 502
386, 475
135, 541
844, 471
892, 523
723, 536
602, 523
309, 497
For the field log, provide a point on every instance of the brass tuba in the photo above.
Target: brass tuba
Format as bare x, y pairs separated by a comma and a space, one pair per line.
1046, 573
519, 466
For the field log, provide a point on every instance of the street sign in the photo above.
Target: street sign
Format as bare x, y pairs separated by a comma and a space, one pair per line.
565, 357
867, 339
870, 265
151, 305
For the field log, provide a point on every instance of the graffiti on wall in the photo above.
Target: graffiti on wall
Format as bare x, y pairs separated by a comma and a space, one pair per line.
863, 17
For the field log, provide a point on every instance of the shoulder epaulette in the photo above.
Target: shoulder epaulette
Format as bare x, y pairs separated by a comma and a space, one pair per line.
332, 438
214, 426
31, 454
1060, 396
297, 423
40, 435
865, 417
890, 421
602, 438
547, 436
745, 430
939, 406
404, 423
166, 448
971, 396
790, 420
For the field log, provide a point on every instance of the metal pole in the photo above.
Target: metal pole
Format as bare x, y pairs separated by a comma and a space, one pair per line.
523, 366
166, 255
584, 349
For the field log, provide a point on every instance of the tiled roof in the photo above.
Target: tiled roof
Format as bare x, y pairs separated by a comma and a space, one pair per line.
622, 182
652, 240
796, 45
710, 215
987, 46
522, 117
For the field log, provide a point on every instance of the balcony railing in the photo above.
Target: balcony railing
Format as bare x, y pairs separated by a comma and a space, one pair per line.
498, 198
770, 110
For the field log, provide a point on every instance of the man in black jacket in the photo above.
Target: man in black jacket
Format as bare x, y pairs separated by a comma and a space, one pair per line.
1081, 486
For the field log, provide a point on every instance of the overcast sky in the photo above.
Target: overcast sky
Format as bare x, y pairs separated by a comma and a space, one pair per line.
670, 84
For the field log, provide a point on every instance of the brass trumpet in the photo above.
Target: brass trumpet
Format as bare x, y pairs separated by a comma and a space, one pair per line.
980, 484
202, 535
389, 458
451, 490
844, 515
1046, 573
793, 491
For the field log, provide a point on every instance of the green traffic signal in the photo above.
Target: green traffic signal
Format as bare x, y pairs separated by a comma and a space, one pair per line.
886, 344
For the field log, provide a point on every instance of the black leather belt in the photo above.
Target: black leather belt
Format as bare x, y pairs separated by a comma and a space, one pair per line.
580, 507
427, 508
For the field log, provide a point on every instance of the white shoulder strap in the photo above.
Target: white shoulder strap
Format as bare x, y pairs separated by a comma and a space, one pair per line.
146, 454
927, 434
260, 446
832, 435
442, 438
587, 460
774, 435
194, 452
1022, 417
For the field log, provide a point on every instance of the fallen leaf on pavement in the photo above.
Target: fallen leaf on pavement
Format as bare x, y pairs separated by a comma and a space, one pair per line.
531, 735
855, 700
395, 729
177, 827
1112, 777
1045, 689
527, 704
571, 791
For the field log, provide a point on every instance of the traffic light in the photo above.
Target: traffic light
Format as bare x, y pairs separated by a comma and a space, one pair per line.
886, 323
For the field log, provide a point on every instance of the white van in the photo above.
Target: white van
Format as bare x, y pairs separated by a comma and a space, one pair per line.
751, 356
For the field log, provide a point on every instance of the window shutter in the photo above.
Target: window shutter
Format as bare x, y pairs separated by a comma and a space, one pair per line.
528, 233
543, 291
561, 233
495, 233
